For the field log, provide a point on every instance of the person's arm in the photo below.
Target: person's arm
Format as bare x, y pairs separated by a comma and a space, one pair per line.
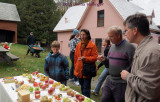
147, 81
130, 54
72, 47
46, 68
66, 68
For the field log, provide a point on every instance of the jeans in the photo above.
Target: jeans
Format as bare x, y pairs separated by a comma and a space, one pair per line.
72, 67
101, 80
85, 86
113, 92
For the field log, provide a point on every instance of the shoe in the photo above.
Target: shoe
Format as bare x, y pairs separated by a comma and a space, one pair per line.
71, 80
76, 83
95, 93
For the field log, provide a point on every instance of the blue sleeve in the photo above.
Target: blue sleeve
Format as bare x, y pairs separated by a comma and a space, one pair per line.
46, 68
66, 68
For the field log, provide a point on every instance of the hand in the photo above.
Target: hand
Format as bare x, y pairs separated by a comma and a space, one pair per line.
81, 58
124, 74
101, 58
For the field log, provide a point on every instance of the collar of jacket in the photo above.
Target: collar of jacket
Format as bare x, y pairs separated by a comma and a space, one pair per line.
51, 54
89, 45
142, 44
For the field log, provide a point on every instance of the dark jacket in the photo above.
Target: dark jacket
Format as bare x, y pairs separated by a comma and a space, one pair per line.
105, 54
56, 67
31, 40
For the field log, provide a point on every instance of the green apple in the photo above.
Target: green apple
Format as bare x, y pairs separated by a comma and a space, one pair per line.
36, 88
31, 89
63, 89
29, 77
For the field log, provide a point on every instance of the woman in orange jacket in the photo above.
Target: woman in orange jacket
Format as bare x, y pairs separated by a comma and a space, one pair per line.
85, 51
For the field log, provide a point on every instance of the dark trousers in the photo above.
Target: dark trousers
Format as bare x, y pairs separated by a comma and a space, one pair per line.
72, 67
113, 92
85, 86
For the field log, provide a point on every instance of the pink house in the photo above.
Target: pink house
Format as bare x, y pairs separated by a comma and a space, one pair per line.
96, 16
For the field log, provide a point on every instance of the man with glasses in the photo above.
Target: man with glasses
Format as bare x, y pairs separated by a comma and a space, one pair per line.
120, 57
143, 83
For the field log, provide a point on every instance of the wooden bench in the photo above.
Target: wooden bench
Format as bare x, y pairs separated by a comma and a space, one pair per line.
12, 57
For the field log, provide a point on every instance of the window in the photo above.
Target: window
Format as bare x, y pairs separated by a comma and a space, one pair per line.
99, 44
100, 1
100, 18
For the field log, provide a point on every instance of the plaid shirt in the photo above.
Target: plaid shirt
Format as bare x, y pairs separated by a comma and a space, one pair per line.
73, 44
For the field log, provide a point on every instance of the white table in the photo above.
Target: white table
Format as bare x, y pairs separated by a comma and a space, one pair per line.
8, 94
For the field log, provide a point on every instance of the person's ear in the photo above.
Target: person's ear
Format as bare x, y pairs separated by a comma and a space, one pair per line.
135, 31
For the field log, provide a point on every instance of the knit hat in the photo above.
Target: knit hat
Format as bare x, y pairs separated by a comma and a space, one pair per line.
75, 31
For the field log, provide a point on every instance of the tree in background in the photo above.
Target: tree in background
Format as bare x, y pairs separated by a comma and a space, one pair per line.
38, 16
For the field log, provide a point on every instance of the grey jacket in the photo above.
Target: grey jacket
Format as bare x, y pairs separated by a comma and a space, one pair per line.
143, 83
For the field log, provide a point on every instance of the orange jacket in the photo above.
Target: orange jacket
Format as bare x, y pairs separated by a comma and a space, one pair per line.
90, 53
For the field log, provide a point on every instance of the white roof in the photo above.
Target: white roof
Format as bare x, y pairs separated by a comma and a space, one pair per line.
147, 12
8, 12
125, 8
73, 15
154, 27
150, 4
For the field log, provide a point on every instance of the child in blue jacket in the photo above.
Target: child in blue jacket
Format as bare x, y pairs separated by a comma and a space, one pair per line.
56, 64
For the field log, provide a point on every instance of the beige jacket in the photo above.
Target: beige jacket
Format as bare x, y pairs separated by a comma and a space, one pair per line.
143, 83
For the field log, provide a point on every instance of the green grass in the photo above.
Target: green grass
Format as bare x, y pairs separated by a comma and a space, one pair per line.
29, 64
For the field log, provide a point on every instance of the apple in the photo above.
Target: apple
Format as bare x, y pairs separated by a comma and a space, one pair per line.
63, 89
37, 96
36, 88
21, 82
29, 77
40, 85
72, 93
43, 87
81, 98
54, 85
36, 72
41, 79
52, 88
67, 87
77, 96
46, 81
60, 88
47, 78
50, 91
69, 92
38, 75
51, 81
63, 86
59, 83
37, 92
32, 80
47, 85
16, 81
35, 84
24, 75
31, 89
33, 73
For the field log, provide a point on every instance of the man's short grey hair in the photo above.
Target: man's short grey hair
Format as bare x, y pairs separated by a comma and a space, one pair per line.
115, 29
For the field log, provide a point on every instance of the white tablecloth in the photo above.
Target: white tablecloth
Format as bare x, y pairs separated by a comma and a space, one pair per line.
8, 93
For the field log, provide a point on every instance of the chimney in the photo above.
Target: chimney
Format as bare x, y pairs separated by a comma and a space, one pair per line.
65, 20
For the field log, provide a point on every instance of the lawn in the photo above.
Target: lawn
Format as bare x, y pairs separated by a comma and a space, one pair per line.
29, 64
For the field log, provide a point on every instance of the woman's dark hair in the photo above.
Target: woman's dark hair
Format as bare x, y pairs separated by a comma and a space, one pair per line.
107, 41
72, 36
87, 33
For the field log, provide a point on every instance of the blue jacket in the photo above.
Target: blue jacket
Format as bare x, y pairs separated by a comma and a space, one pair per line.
56, 67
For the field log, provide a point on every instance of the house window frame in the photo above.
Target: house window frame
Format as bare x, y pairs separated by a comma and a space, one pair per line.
100, 19
100, 1
99, 44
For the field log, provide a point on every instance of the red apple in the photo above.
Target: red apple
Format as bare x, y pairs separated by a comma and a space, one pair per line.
43, 87
69, 92
77, 96
36, 72
50, 92
72, 93
46, 81
33, 73
35, 84
81, 98
47, 85
37, 96
37, 92
52, 88
51, 81
40, 85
